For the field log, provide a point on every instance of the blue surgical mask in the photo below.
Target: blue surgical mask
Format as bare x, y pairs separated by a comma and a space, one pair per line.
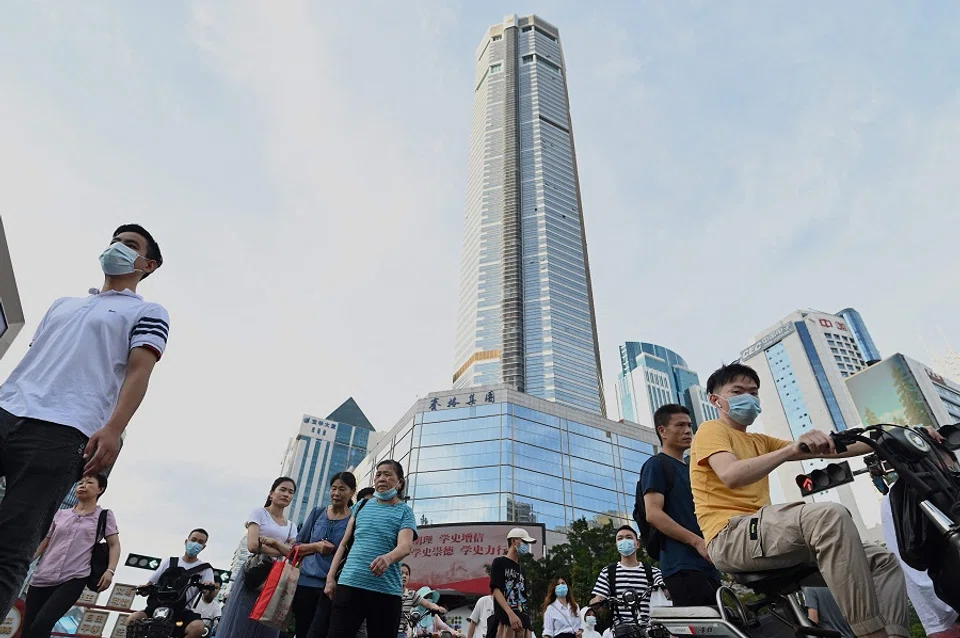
561, 591
744, 408
626, 547
119, 259
389, 495
524, 549
591, 621
194, 549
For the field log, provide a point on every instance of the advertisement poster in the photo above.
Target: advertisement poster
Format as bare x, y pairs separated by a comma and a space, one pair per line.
120, 628
887, 392
456, 557
88, 597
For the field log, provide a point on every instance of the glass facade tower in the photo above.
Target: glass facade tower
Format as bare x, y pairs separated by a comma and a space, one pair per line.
652, 376
493, 454
322, 448
868, 348
526, 316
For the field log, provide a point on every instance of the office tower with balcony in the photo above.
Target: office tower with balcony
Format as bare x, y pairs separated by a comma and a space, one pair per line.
526, 316
652, 376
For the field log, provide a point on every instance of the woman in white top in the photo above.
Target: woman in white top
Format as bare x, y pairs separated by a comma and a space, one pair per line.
560, 613
265, 525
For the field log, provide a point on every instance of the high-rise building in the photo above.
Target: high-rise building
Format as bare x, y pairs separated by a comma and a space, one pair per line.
322, 448
11, 310
526, 314
492, 454
802, 362
652, 376
869, 350
240, 556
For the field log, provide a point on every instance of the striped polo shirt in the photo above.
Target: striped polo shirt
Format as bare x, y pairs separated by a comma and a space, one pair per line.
375, 533
77, 361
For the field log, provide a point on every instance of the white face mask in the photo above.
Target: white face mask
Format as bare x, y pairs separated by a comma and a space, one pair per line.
119, 259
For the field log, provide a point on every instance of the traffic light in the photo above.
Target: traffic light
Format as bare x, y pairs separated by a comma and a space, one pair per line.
834, 475
143, 562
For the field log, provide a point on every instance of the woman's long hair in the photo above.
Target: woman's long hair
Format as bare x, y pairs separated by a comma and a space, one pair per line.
552, 595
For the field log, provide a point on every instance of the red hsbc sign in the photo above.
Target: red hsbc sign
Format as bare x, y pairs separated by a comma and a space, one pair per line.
839, 325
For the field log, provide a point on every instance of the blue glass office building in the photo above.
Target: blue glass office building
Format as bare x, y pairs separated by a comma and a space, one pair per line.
493, 454
858, 328
322, 448
652, 376
526, 314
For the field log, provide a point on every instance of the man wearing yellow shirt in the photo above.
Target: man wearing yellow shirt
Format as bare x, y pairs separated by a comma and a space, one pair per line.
729, 470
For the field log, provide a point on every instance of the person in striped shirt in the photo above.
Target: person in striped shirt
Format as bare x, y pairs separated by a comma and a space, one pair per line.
629, 573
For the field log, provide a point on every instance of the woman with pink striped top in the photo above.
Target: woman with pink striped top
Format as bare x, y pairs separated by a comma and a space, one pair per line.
65, 564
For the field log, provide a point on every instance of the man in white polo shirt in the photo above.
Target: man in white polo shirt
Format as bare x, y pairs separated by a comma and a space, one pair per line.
65, 406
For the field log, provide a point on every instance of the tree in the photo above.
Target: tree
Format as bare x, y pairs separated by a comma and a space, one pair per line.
914, 406
871, 417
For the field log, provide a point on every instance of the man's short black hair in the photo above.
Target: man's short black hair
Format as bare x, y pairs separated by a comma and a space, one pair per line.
199, 530
661, 418
153, 248
627, 528
730, 373
364, 493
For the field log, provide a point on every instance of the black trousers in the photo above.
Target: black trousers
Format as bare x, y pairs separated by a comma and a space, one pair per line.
311, 609
352, 605
40, 461
692, 589
47, 605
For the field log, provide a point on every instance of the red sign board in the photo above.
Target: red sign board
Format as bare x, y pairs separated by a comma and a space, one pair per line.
456, 557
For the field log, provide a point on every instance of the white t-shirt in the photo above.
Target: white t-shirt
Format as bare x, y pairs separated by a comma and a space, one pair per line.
935, 615
207, 611
77, 361
206, 576
269, 527
481, 612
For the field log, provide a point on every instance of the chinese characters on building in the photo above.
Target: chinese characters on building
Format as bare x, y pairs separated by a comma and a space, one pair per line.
472, 399
468, 544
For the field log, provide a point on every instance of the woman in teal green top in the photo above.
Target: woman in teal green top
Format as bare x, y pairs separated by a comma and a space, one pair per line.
370, 587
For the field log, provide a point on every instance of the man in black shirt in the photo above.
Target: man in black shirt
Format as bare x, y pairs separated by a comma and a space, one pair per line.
508, 584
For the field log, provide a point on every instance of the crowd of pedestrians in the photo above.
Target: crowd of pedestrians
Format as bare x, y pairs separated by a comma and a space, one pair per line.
703, 506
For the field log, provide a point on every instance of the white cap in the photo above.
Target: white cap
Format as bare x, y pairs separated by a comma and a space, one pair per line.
520, 533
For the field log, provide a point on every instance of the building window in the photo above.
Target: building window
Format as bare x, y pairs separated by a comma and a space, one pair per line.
496, 68
527, 28
497, 37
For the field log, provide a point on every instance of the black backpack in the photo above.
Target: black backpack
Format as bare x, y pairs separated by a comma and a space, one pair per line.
652, 537
612, 578
176, 578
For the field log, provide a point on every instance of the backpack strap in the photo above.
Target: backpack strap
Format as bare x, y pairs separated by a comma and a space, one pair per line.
611, 580
649, 573
196, 569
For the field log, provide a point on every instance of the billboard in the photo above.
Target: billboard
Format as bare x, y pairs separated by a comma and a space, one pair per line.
456, 557
888, 392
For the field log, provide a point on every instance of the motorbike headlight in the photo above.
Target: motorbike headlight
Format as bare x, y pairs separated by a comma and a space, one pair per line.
629, 597
162, 613
917, 441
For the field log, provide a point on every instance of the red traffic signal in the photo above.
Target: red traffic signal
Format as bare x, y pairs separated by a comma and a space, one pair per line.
834, 475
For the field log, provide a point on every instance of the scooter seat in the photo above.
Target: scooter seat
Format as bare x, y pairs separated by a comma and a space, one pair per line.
670, 613
780, 581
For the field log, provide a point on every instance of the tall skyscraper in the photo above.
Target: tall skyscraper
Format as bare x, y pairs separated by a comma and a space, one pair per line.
802, 363
526, 314
652, 376
322, 448
861, 335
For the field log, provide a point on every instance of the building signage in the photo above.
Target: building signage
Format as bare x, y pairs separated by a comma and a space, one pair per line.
88, 597
456, 557
833, 323
465, 400
11, 624
120, 627
122, 596
93, 622
768, 340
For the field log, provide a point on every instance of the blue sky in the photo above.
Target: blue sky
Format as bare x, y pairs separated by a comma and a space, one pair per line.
303, 165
